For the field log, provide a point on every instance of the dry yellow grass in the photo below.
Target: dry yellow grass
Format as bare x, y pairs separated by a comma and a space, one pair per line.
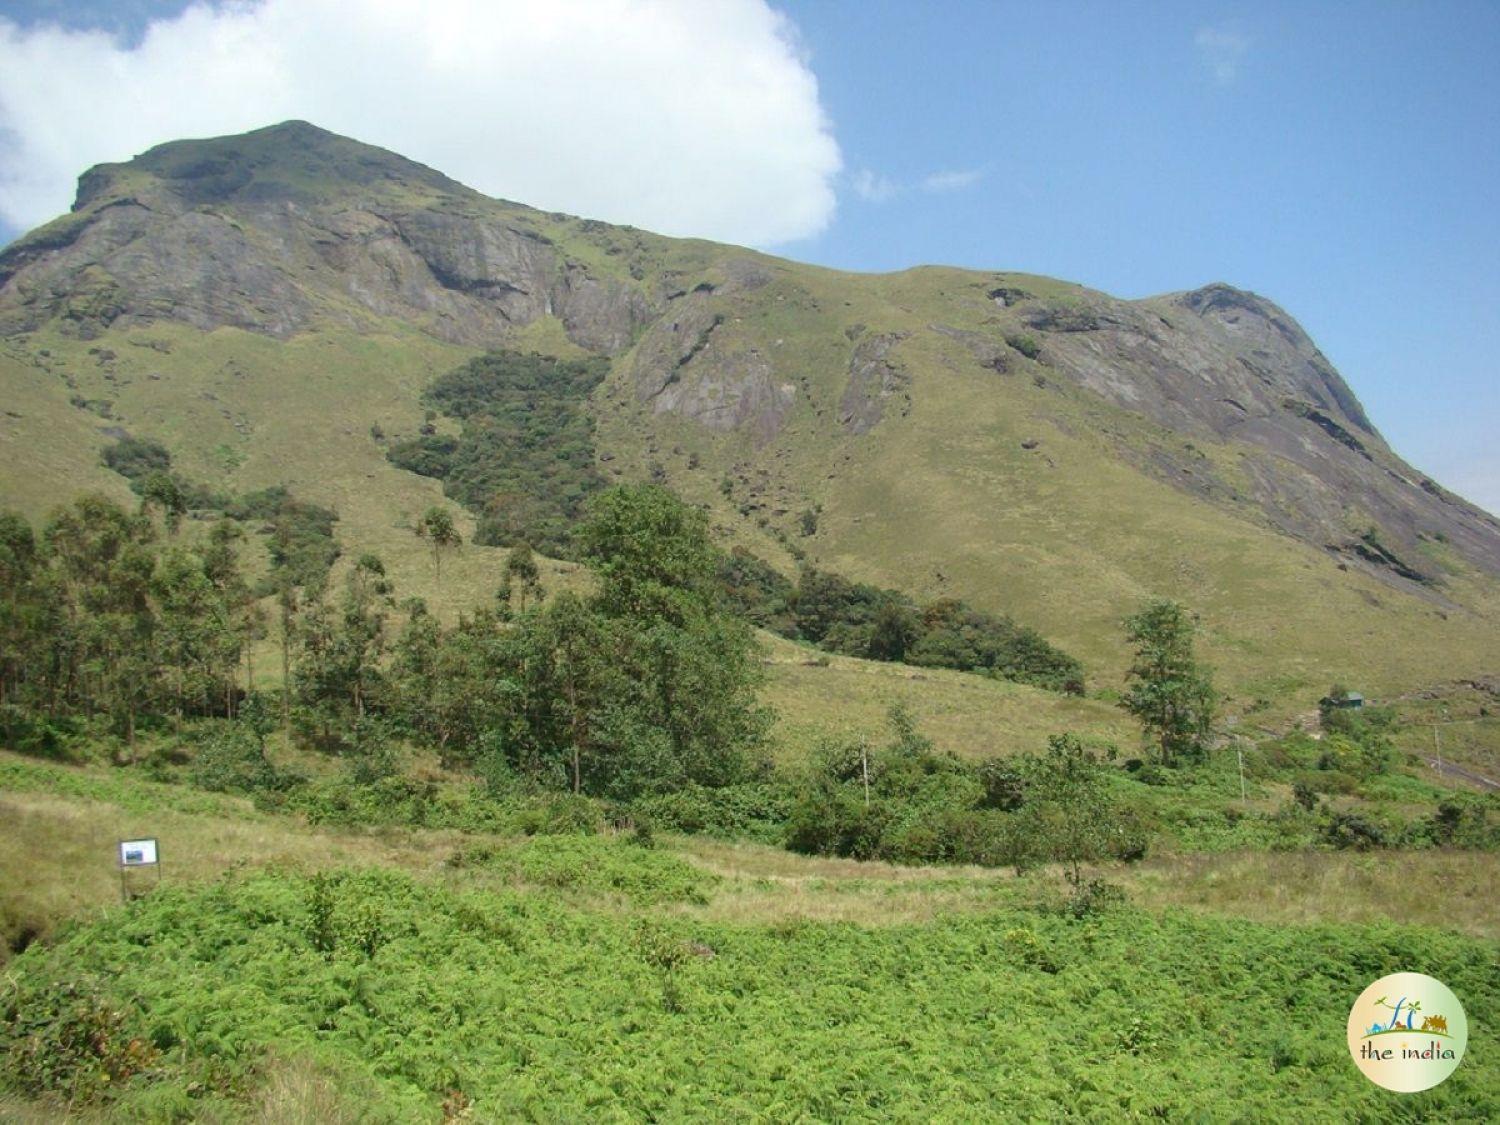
816, 695
65, 865
1448, 889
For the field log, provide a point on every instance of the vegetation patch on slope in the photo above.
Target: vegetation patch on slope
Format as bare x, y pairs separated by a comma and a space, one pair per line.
523, 461
857, 619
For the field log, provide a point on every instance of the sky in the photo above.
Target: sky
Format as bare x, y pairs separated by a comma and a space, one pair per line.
1341, 159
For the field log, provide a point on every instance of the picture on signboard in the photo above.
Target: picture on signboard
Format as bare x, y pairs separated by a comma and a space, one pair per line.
137, 853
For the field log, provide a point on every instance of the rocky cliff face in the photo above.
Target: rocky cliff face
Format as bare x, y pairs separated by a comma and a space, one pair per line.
1225, 365
293, 230
278, 230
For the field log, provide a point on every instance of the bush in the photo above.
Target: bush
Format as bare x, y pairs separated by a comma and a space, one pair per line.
1025, 344
1351, 830
1024, 947
232, 759
1093, 897
612, 864
72, 1038
757, 810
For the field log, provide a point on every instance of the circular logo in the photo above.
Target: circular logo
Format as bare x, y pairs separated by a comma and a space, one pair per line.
1407, 1032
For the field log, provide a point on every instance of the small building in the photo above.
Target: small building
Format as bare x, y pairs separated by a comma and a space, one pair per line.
1350, 700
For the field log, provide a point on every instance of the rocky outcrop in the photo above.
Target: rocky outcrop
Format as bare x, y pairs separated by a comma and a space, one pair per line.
873, 380
279, 229
672, 343
733, 391
1223, 364
682, 368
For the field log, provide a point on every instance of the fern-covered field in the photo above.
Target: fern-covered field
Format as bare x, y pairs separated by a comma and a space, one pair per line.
514, 1004
288, 971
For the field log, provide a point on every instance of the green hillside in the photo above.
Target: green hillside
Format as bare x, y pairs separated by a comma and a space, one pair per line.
955, 434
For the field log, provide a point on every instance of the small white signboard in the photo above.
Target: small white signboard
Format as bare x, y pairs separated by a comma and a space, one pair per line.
138, 853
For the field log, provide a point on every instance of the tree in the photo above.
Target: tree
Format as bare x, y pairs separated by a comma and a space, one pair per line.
18, 567
520, 570
1169, 691
652, 554
895, 630
161, 490
687, 668
104, 646
302, 548
1073, 814
578, 648
436, 526
338, 673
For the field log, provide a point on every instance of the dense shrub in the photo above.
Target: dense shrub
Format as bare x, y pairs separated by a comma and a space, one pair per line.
906, 803
1351, 830
856, 619
757, 810
232, 759
524, 459
610, 864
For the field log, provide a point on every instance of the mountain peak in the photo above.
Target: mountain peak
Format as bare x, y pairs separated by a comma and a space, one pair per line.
293, 160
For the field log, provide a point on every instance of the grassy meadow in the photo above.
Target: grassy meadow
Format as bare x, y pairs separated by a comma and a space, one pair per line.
287, 972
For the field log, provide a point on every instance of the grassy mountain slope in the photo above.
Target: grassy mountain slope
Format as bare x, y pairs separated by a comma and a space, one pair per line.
259, 303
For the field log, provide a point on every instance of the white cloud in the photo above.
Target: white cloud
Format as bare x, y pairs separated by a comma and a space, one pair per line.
876, 188
873, 187
1222, 50
952, 180
689, 117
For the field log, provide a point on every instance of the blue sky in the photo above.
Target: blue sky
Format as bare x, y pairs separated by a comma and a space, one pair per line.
1341, 159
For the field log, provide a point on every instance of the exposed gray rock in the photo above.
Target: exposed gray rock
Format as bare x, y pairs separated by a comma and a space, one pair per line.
603, 316
1223, 363
735, 391
873, 379
243, 232
672, 342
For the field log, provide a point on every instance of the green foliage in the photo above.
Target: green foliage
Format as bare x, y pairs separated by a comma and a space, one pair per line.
437, 527
857, 619
908, 804
755, 810
524, 460
608, 864
521, 581
75, 1039
302, 543
1351, 830
136, 458
1170, 692
102, 622
1024, 343
1069, 809
534, 1007
231, 758
147, 465
340, 674
1465, 821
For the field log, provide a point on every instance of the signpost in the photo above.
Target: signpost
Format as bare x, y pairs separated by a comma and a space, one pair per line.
138, 853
